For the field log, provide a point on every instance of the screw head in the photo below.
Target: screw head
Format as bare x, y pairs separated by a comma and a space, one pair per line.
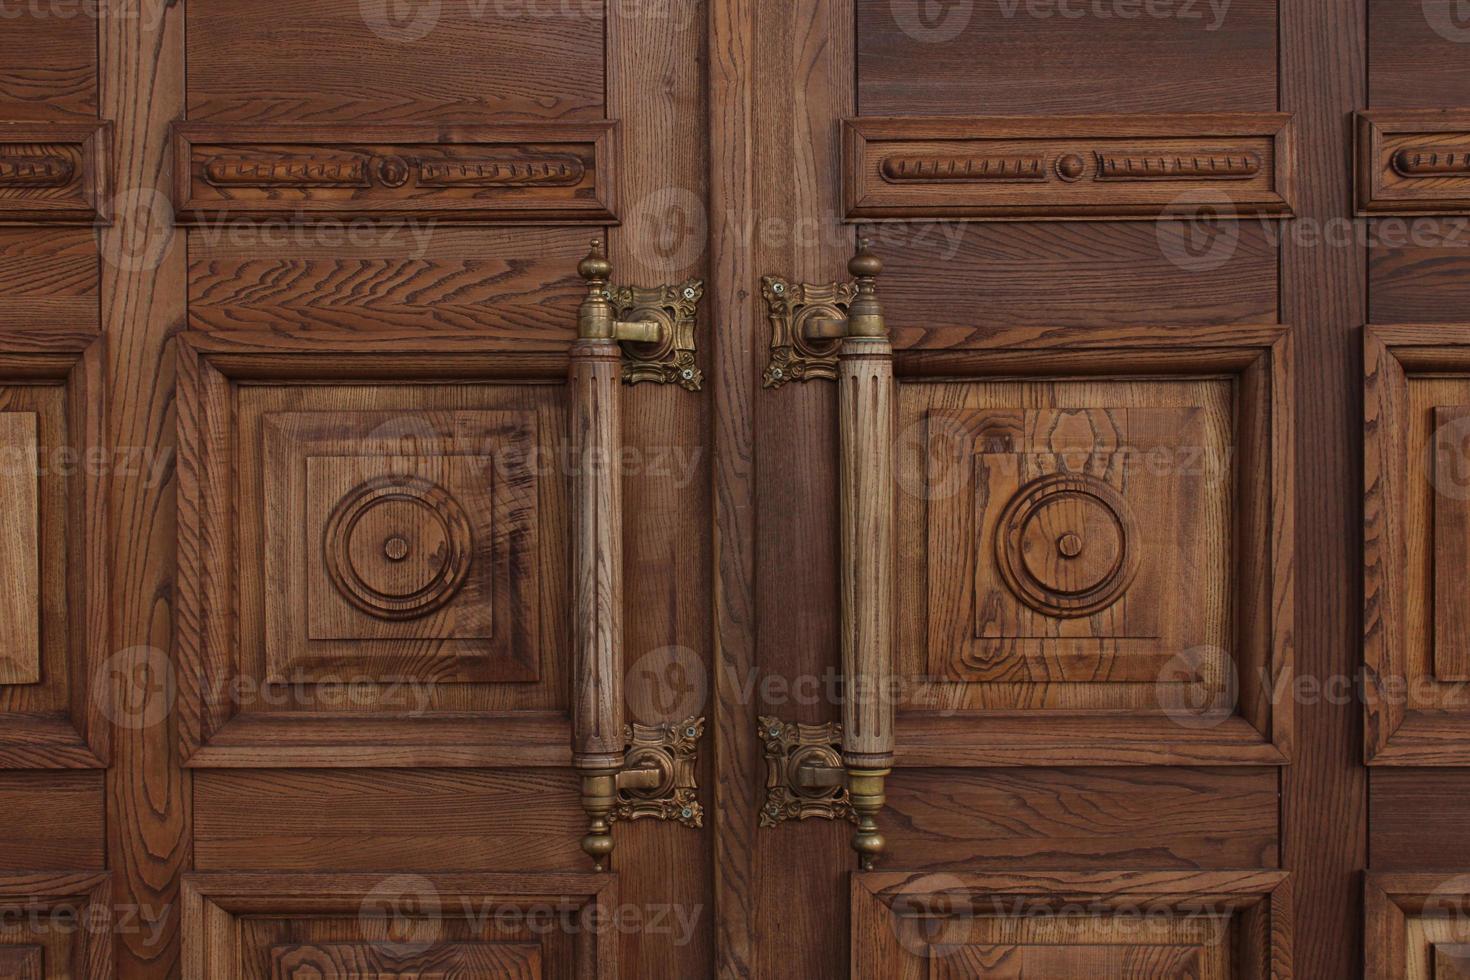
778, 288
689, 292
778, 374
687, 373
686, 813
691, 732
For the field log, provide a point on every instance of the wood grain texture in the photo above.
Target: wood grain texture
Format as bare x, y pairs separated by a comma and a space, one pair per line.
1149, 818
1419, 272
350, 961
48, 63
1058, 168
48, 279
54, 820
517, 285
732, 60
1005, 60
56, 173
390, 821
351, 62
1323, 77
84, 947
1416, 55
955, 285
143, 303
1417, 819
1415, 925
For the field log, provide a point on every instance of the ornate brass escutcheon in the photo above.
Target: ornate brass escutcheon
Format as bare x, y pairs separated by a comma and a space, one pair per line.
653, 324
809, 321
804, 773
658, 780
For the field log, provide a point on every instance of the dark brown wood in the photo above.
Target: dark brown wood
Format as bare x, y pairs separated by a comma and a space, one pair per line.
1413, 162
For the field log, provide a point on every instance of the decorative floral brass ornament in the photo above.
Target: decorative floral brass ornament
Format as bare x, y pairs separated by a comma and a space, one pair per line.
802, 345
658, 780
670, 358
804, 773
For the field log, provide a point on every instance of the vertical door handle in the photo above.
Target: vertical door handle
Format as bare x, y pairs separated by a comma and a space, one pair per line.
659, 330
837, 331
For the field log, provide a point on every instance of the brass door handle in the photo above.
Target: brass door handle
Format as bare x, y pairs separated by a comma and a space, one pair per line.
661, 781
849, 316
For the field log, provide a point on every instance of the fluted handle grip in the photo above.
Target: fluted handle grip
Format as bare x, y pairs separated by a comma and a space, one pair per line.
866, 406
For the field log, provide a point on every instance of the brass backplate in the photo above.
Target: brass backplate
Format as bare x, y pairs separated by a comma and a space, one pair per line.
791, 306
789, 748
670, 359
672, 750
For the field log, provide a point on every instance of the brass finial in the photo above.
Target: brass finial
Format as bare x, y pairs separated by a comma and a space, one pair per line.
865, 314
595, 317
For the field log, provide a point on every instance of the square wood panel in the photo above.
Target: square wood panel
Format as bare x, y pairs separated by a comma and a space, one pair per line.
55, 926
402, 567
1417, 926
1130, 925
352, 519
1416, 542
346, 926
1095, 552
54, 680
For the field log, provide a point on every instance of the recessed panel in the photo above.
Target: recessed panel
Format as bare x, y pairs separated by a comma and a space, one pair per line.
387, 961
20, 539
48, 61
382, 61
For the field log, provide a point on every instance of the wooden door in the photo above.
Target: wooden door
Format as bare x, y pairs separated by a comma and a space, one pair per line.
1068, 582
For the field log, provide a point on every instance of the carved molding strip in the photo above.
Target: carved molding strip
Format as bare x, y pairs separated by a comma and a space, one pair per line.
54, 173
288, 171
1429, 161
36, 170
1227, 165
1413, 161
900, 168
1087, 167
540, 171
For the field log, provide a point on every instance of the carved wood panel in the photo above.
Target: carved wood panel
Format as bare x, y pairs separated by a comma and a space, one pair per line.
524, 172
55, 926
399, 532
1413, 161
1078, 167
1211, 925
1094, 568
1416, 437
1417, 926
347, 926
55, 172
54, 685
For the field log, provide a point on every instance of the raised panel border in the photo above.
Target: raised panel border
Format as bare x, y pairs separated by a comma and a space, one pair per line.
1068, 168
388, 164
1395, 734
1389, 900
212, 735
213, 903
88, 898
1260, 899
1382, 189
1259, 732
80, 739
79, 157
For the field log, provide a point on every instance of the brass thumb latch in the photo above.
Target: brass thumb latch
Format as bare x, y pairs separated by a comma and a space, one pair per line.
805, 779
658, 779
809, 321
653, 324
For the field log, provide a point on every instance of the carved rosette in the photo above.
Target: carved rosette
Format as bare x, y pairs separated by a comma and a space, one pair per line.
791, 306
1065, 545
672, 750
670, 359
789, 748
398, 547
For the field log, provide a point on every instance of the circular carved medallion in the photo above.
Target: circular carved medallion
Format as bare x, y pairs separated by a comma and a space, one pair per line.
398, 547
1062, 545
